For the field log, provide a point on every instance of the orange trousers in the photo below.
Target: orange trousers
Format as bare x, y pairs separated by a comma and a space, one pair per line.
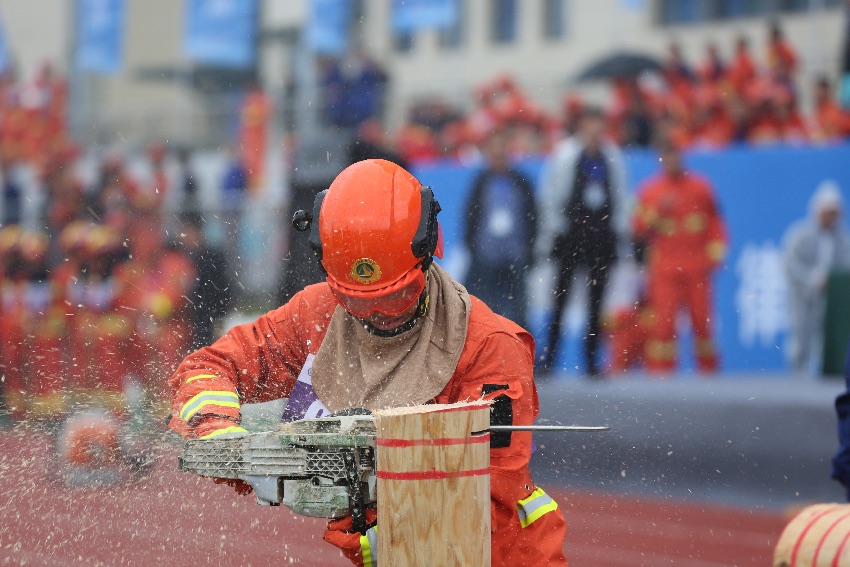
669, 291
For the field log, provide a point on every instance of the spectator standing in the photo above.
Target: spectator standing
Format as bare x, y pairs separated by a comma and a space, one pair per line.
582, 212
841, 460
781, 57
812, 249
212, 294
501, 225
713, 69
742, 69
234, 184
678, 219
12, 195
188, 186
831, 122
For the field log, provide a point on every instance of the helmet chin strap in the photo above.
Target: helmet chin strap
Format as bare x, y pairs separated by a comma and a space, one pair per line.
421, 310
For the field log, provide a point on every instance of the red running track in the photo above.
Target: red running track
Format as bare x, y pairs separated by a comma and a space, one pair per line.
171, 518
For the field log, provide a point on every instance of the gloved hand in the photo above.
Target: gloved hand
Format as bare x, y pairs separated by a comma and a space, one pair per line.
361, 550
241, 487
217, 427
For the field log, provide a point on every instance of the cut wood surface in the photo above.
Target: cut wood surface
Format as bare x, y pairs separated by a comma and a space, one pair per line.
434, 485
818, 536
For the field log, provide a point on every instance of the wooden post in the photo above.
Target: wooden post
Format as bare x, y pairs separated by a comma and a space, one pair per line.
434, 485
817, 536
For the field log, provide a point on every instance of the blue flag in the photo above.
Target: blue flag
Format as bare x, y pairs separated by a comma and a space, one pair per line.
411, 15
327, 26
5, 57
100, 35
221, 32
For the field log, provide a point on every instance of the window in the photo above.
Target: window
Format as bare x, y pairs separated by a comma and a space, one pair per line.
672, 12
503, 20
453, 37
554, 16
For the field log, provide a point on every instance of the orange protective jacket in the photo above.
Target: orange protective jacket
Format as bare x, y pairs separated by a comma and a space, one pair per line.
261, 361
679, 218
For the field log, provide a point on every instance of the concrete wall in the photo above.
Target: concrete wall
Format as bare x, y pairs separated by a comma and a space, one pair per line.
37, 31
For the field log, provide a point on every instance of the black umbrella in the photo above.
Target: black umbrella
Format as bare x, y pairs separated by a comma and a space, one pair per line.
619, 65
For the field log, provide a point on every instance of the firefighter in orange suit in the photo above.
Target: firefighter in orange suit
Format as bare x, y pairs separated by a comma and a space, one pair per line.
162, 278
12, 352
678, 218
103, 326
387, 328
45, 330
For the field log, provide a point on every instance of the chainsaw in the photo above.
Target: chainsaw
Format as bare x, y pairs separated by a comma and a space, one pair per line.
320, 467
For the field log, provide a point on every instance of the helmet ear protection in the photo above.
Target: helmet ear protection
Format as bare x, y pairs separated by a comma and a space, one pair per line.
424, 242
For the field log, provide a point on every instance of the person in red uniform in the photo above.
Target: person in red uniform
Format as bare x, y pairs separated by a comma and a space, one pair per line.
45, 326
387, 328
781, 56
162, 278
12, 353
742, 69
103, 324
679, 220
831, 122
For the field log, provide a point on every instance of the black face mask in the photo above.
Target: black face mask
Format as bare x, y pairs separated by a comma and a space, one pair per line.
404, 327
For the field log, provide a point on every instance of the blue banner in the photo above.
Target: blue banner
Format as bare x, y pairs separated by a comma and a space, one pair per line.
100, 35
328, 25
412, 15
5, 56
761, 192
221, 32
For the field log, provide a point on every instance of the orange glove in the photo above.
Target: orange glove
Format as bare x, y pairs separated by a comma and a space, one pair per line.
241, 487
361, 550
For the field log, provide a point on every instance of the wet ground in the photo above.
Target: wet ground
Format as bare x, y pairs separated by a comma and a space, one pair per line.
627, 499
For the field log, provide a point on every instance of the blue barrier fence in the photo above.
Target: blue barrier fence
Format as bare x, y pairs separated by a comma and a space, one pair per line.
761, 192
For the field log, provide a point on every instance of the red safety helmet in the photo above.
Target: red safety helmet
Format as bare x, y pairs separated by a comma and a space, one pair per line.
73, 236
375, 232
34, 245
101, 240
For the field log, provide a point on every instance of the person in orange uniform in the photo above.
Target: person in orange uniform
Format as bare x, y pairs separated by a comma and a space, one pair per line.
679, 220
162, 278
388, 327
742, 69
831, 122
781, 56
12, 353
45, 327
103, 325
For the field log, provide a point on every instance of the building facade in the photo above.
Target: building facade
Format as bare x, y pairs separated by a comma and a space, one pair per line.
543, 44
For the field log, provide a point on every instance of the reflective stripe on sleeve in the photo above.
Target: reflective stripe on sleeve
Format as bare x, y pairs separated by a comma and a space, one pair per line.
534, 507
224, 431
218, 398
369, 547
201, 377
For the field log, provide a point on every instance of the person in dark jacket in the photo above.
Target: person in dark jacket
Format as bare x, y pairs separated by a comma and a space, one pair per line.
501, 226
583, 216
841, 460
212, 295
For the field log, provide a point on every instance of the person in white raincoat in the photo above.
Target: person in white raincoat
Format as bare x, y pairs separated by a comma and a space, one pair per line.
813, 248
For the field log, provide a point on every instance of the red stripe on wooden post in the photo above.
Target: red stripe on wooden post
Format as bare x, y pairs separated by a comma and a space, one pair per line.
430, 475
382, 442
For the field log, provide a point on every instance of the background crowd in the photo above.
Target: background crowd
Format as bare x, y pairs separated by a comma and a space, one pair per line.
113, 277
742, 97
